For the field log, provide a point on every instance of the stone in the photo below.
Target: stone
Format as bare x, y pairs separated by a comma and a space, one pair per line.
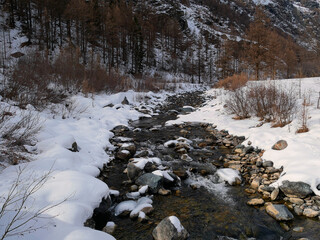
109, 228
255, 202
279, 212
274, 194
129, 147
125, 101
186, 157
119, 129
298, 210
295, 189
153, 181
308, 212
284, 226
297, 201
255, 183
280, 145
134, 188
145, 208
123, 155
267, 164
170, 228
74, 147
133, 171
298, 229
164, 192
181, 173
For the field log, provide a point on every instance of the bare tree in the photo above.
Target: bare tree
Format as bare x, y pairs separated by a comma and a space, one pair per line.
18, 208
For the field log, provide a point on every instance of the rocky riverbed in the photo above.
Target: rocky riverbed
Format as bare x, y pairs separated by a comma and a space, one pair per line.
215, 186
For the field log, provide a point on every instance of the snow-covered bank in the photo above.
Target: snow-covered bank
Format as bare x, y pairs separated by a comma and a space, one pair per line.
301, 159
72, 182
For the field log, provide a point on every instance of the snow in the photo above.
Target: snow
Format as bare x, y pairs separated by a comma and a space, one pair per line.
164, 174
136, 211
72, 182
125, 206
227, 174
300, 159
176, 223
143, 189
141, 162
263, 2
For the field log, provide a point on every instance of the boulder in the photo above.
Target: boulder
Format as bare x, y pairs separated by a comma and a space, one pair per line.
295, 189
255, 202
279, 212
153, 181
308, 212
170, 228
280, 145
133, 171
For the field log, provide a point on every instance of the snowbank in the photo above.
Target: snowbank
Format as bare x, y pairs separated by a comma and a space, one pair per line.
301, 159
72, 182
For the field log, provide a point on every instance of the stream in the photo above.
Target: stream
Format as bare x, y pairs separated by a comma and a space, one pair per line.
207, 208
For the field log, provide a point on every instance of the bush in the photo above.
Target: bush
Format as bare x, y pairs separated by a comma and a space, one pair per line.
267, 102
234, 82
239, 104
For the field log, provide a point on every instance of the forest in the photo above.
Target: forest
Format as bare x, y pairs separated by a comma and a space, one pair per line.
95, 45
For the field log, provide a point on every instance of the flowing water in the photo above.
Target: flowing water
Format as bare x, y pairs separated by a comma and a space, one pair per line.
213, 211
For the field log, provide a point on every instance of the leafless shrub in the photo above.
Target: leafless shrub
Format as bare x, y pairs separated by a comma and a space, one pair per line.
73, 109
239, 104
18, 214
233, 82
304, 114
20, 129
268, 102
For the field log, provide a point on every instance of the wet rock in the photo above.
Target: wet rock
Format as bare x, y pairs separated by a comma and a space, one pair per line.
123, 155
280, 145
297, 201
142, 154
295, 189
186, 157
150, 167
180, 172
298, 210
308, 212
274, 194
279, 212
129, 147
133, 171
134, 188
164, 192
267, 164
298, 229
170, 228
153, 181
109, 228
285, 226
255, 202
119, 129
255, 183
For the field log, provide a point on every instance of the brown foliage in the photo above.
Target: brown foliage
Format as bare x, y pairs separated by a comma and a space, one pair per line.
234, 82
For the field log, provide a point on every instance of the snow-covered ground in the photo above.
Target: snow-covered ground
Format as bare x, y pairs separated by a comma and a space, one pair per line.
301, 159
72, 180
